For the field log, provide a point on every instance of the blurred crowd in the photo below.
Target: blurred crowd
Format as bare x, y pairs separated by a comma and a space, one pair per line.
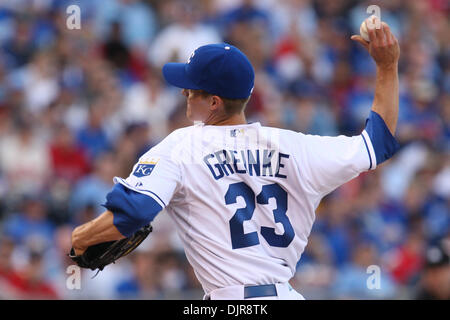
78, 107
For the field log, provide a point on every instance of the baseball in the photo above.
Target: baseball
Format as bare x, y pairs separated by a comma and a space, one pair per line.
363, 29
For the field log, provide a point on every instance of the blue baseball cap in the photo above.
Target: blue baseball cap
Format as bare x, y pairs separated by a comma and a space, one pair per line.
219, 69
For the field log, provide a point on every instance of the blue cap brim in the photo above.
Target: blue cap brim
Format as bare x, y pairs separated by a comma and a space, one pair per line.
175, 74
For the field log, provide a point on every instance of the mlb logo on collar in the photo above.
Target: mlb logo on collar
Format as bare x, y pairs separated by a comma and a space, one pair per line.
236, 132
145, 168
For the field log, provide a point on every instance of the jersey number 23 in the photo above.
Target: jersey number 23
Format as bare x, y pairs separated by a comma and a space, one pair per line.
239, 239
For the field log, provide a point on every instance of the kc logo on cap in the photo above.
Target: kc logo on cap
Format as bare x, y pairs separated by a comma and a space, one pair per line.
191, 56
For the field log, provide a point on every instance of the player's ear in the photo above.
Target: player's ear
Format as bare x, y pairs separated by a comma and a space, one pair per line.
216, 103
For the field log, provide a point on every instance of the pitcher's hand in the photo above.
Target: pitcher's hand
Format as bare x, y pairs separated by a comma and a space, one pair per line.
383, 46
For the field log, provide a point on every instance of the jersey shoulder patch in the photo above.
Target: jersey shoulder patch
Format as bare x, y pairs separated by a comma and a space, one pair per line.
145, 167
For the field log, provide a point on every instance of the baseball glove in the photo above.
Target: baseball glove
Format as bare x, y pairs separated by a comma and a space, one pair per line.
100, 255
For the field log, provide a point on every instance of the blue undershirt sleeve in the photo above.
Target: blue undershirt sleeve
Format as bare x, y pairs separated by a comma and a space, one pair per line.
132, 210
383, 142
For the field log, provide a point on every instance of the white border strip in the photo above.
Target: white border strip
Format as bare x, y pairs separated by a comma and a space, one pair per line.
371, 150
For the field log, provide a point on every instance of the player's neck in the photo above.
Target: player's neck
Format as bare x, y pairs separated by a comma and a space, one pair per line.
236, 119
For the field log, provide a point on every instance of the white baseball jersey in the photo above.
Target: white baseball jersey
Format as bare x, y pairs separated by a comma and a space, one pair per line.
243, 197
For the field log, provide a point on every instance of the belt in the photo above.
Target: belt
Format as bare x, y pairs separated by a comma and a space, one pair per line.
266, 290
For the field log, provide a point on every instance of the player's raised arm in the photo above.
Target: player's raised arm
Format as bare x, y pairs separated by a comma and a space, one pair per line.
382, 121
385, 50
328, 162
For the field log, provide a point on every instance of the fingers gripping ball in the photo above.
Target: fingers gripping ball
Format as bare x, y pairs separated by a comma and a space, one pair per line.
370, 23
100, 255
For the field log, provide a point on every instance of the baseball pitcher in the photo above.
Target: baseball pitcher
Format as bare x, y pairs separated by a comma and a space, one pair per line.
242, 196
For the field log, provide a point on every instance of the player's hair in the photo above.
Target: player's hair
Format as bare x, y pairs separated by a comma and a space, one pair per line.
231, 106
